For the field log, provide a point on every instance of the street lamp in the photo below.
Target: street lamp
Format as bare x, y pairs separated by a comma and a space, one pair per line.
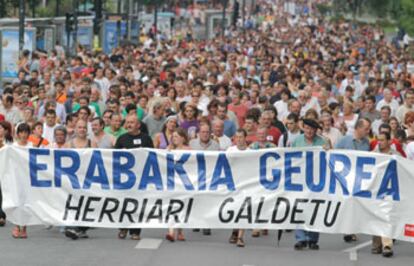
21, 25
223, 22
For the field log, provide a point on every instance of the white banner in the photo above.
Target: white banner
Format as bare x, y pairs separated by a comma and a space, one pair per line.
326, 191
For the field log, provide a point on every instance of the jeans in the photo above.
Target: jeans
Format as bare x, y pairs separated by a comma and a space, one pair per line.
306, 236
2, 214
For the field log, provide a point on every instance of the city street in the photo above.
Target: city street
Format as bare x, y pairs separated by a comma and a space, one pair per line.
50, 247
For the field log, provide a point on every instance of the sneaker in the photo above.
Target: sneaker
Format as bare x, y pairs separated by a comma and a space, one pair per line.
206, 232
313, 245
300, 245
72, 233
350, 238
387, 252
196, 230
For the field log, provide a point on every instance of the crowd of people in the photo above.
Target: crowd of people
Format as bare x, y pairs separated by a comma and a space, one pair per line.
286, 81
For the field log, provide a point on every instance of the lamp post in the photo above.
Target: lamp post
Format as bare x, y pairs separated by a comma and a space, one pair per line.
21, 25
57, 11
223, 22
75, 18
155, 19
118, 24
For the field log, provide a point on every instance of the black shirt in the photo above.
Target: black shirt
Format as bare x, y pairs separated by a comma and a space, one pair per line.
127, 141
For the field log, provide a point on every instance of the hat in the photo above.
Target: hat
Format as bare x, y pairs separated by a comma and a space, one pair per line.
169, 118
311, 123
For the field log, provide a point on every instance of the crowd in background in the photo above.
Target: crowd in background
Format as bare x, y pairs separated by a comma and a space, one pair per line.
281, 81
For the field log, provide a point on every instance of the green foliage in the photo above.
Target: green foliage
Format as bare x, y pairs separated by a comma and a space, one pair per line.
324, 9
43, 12
406, 18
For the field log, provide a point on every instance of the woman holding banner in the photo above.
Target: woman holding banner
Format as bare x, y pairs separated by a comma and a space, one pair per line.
241, 145
179, 142
22, 134
5, 139
80, 141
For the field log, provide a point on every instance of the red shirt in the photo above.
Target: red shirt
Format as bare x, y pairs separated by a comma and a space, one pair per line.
395, 144
273, 135
240, 111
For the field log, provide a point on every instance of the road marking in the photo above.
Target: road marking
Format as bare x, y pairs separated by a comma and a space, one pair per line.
358, 247
149, 243
353, 252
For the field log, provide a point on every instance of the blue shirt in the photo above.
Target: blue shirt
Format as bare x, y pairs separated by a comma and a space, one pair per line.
229, 128
350, 143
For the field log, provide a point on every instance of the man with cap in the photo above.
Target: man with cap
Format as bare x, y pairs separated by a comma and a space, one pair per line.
309, 138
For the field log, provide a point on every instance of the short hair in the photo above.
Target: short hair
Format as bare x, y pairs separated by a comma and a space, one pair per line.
222, 105
251, 117
386, 134
23, 127
35, 125
85, 108
361, 121
130, 107
70, 117
371, 98
108, 111
386, 107
130, 94
84, 98
242, 131
60, 128
293, 117
100, 120
384, 126
51, 112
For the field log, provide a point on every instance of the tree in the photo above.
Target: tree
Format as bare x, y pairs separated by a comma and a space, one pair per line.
406, 17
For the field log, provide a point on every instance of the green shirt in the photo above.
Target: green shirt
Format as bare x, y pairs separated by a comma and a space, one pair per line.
97, 108
94, 105
140, 113
117, 133
301, 142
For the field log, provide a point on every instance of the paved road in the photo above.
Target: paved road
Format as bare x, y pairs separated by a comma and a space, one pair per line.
49, 247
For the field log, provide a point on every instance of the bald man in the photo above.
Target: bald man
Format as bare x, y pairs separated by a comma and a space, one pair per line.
134, 138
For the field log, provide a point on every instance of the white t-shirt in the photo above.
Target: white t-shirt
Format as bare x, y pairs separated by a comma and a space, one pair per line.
282, 109
49, 132
224, 142
235, 148
393, 105
28, 145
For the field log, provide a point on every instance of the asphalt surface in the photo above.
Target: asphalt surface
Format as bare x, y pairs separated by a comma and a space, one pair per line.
50, 247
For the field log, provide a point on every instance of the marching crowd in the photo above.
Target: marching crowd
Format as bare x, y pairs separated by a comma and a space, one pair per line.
285, 81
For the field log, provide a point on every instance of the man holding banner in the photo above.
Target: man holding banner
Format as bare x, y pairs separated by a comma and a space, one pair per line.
309, 138
359, 142
134, 138
384, 244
